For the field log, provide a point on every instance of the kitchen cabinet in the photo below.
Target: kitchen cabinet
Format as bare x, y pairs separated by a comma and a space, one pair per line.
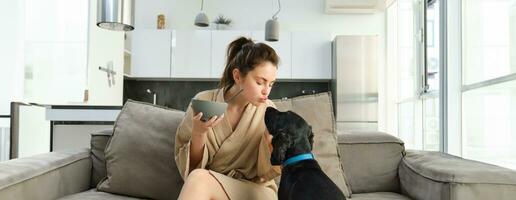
71, 126
219, 44
150, 55
191, 53
202, 53
311, 55
283, 48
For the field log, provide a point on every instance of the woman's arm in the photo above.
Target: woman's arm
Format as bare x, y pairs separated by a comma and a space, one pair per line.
199, 131
196, 150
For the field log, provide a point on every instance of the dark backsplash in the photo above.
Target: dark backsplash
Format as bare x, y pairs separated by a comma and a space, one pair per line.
177, 94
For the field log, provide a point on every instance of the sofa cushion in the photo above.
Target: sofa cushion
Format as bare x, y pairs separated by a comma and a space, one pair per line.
94, 194
140, 154
435, 175
317, 110
370, 161
98, 145
378, 196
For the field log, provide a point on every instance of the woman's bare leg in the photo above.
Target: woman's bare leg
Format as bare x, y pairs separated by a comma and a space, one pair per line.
200, 184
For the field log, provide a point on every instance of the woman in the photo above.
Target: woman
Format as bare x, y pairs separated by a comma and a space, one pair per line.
228, 157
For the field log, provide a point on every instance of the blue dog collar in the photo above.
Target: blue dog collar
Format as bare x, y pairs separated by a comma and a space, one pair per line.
297, 158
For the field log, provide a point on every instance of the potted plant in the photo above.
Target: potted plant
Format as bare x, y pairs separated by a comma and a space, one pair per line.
221, 22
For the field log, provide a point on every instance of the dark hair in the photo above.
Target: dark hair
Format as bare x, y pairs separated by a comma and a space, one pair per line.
243, 54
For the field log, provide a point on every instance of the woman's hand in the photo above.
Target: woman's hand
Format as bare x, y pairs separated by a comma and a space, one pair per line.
201, 128
268, 138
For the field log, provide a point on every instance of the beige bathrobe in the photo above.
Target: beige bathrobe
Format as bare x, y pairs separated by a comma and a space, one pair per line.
239, 159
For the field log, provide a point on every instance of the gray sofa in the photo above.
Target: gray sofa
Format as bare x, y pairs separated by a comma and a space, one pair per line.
373, 165
376, 166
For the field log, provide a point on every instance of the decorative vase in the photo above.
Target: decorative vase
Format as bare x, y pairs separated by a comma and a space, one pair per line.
161, 21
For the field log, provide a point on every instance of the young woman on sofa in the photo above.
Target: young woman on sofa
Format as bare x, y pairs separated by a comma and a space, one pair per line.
229, 157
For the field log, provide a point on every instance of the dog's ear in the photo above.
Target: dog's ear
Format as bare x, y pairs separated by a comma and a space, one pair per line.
280, 143
273, 133
311, 137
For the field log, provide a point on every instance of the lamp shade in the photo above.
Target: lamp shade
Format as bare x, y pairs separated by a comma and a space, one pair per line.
115, 15
202, 20
272, 30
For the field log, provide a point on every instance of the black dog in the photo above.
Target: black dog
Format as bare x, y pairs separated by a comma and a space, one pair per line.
301, 175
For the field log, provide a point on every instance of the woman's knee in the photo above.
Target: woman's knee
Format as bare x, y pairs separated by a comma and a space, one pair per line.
199, 177
198, 174
201, 184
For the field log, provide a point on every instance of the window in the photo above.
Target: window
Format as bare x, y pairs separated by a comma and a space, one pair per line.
489, 39
481, 88
489, 124
431, 67
489, 81
416, 103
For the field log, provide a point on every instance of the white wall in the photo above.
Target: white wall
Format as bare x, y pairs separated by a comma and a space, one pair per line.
306, 15
11, 74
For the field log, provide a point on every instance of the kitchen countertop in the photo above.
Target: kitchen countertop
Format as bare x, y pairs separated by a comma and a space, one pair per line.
78, 113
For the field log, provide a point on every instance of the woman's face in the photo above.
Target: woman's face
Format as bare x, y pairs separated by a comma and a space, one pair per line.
258, 82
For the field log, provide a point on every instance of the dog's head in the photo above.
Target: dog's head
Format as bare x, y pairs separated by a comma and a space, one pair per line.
291, 135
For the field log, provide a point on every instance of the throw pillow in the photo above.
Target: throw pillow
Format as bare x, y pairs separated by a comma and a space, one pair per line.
140, 154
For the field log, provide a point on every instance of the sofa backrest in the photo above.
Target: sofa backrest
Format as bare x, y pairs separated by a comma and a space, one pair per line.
98, 144
370, 161
316, 109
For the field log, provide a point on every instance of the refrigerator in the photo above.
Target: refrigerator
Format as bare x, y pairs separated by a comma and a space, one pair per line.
354, 82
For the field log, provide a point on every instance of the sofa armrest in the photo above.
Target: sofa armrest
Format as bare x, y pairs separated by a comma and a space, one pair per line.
434, 175
46, 176
370, 161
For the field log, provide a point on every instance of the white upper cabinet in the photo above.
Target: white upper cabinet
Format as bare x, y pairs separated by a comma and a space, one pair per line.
311, 55
219, 44
150, 55
202, 53
282, 48
191, 54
